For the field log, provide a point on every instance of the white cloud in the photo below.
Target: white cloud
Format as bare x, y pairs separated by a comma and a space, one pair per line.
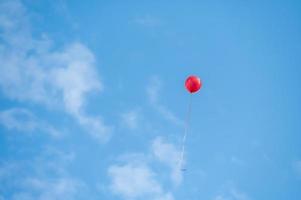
44, 177
167, 196
77, 76
23, 120
153, 89
33, 70
168, 154
133, 181
147, 21
238, 195
153, 92
19, 119
232, 194
221, 197
41, 189
134, 176
131, 119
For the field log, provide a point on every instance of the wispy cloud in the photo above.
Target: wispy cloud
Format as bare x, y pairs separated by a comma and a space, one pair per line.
19, 119
168, 154
23, 120
232, 193
41, 178
131, 119
134, 176
133, 181
153, 91
239, 195
147, 21
34, 69
43, 189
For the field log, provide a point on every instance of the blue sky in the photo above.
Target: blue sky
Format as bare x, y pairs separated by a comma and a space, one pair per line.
93, 100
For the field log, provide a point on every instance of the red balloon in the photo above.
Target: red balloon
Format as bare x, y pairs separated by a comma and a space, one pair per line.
193, 84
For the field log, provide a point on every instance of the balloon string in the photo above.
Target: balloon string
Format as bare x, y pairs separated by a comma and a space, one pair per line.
186, 127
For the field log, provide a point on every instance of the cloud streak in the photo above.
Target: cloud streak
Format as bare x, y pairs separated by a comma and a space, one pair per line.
169, 155
147, 21
131, 119
23, 120
135, 177
43, 177
153, 91
232, 193
34, 70
134, 181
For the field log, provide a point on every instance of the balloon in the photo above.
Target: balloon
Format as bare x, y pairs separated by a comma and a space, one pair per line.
193, 84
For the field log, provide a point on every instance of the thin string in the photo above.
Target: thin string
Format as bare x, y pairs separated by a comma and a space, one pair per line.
186, 128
